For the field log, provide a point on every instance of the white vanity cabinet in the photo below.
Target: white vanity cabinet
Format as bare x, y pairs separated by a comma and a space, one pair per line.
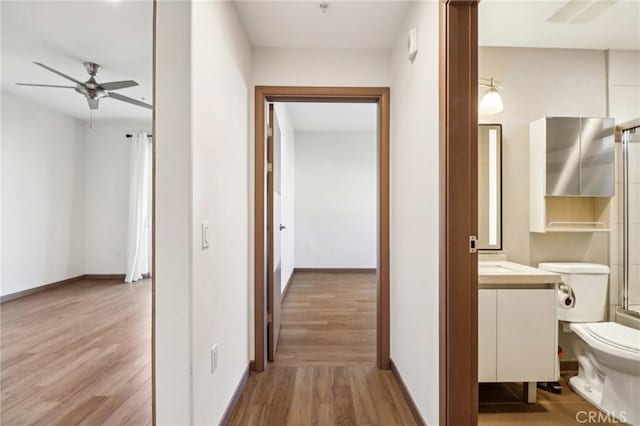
517, 335
488, 335
517, 329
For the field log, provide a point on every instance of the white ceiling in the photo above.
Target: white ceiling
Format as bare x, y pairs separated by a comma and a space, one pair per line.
332, 117
524, 24
346, 24
114, 34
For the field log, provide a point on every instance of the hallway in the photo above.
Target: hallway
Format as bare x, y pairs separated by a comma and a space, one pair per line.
324, 371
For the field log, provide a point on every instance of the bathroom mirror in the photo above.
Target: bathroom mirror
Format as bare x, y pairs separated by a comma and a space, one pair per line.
490, 187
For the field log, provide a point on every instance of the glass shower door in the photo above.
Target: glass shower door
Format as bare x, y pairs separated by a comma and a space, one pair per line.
631, 219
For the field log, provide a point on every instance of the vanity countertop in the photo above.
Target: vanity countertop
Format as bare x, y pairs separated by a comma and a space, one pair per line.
502, 273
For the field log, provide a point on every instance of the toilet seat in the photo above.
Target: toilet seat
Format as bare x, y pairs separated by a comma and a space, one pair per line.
610, 337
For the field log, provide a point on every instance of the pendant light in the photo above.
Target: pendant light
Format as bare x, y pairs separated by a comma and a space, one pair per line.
491, 102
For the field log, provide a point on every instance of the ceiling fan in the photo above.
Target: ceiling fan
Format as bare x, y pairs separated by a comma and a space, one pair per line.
91, 89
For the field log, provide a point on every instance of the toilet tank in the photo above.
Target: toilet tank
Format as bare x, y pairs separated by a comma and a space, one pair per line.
587, 284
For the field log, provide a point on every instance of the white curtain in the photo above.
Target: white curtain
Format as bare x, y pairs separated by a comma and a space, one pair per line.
139, 233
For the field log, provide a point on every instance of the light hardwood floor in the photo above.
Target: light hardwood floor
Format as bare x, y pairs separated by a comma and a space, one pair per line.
324, 372
501, 405
329, 319
77, 354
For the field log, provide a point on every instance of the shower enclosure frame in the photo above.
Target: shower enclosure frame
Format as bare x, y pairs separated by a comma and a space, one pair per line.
628, 131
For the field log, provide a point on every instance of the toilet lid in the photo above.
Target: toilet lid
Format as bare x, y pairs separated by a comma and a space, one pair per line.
614, 334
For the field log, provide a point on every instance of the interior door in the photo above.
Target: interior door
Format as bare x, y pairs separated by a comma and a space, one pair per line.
274, 228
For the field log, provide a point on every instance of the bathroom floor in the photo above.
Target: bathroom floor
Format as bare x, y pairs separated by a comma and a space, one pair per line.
501, 405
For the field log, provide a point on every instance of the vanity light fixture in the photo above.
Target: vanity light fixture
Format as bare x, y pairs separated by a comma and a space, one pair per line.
491, 102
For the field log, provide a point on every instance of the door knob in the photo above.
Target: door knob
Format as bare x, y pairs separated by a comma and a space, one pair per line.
282, 227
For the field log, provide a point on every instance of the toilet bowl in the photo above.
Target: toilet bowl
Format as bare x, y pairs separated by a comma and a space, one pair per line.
608, 353
608, 356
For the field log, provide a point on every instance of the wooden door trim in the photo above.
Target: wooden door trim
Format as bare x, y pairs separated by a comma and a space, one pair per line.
378, 95
458, 212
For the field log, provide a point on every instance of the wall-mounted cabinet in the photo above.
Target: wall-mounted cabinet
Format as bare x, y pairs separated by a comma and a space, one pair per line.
571, 174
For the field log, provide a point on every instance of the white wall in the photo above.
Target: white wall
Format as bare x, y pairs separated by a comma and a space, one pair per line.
287, 196
414, 210
335, 202
624, 85
66, 193
220, 69
174, 231
106, 211
321, 67
42, 195
567, 83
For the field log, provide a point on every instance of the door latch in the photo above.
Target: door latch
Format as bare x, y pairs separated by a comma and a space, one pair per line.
473, 240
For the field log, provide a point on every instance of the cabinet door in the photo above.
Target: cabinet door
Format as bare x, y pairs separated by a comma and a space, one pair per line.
527, 345
487, 369
563, 156
597, 169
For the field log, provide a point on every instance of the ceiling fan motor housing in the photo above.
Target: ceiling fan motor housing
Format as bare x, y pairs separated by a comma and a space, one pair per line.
92, 68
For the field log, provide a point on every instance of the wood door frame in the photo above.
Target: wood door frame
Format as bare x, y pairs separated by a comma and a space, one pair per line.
377, 95
458, 212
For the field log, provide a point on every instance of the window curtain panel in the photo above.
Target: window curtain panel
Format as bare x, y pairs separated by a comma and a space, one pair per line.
139, 230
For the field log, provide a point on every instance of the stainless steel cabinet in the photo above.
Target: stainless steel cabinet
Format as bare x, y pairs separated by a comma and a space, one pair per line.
579, 156
597, 157
563, 156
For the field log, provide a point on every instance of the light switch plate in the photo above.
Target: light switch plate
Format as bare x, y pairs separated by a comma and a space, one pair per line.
214, 358
412, 44
205, 235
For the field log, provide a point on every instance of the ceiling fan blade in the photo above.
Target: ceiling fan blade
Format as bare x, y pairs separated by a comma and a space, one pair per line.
93, 103
129, 100
46, 85
59, 73
115, 85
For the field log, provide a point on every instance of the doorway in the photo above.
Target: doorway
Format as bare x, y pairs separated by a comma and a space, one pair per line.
77, 213
267, 271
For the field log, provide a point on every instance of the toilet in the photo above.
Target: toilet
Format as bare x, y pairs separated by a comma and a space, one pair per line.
608, 353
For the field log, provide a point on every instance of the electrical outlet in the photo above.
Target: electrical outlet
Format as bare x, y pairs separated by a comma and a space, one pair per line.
214, 358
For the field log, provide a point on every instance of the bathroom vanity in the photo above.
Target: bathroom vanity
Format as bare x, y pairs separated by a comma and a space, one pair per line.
517, 327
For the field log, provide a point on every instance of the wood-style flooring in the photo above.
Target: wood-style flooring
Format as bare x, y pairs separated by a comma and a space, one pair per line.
502, 405
328, 319
324, 372
77, 354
